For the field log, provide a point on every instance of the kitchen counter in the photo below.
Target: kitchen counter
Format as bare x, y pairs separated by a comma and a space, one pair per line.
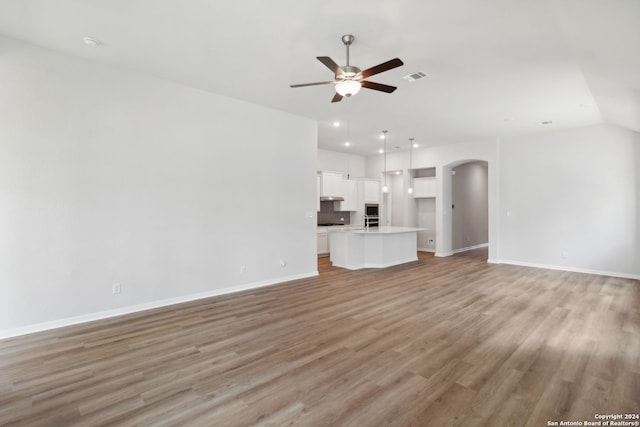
357, 247
375, 230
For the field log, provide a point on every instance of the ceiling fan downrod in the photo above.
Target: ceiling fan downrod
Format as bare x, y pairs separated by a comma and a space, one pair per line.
347, 39
347, 72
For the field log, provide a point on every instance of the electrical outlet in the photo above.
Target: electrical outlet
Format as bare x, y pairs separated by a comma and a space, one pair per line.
431, 241
243, 269
116, 288
564, 254
283, 263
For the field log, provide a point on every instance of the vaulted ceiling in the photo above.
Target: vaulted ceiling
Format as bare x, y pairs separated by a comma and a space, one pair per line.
495, 67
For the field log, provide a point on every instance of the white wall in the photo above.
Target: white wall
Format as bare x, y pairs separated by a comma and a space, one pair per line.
572, 199
574, 193
426, 218
351, 164
107, 176
398, 200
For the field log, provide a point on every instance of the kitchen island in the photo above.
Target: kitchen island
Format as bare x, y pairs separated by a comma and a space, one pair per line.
380, 247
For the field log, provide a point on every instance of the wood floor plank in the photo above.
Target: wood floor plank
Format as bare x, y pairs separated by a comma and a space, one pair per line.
441, 341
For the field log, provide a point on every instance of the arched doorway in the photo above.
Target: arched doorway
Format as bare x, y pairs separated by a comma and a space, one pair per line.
463, 220
470, 206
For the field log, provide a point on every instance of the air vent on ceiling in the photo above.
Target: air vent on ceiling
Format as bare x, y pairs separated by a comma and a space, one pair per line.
415, 76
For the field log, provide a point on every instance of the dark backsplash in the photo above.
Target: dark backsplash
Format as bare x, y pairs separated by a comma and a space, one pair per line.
328, 216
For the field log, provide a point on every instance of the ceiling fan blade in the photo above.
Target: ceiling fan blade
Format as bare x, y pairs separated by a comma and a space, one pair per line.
312, 84
378, 86
337, 98
329, 63
385, 66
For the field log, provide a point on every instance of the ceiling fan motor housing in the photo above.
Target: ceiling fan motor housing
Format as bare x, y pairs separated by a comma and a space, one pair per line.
349, 72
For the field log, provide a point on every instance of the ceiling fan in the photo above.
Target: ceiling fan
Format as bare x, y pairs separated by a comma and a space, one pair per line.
349, 79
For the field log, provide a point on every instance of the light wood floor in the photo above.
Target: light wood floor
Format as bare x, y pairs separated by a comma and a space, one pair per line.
440, 342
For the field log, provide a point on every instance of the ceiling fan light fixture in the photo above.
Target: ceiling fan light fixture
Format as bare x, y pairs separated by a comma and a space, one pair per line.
348, 87
349, 79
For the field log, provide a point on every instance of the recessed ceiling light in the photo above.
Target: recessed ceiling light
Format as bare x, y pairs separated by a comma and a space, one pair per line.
336, 124
381, 151
382, 136
347, 143
397, 172
415, 145
90, 41
509, 119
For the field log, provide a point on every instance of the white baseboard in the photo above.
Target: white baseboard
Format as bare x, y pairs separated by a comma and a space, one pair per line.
566, 268
443, 253
470, 248
457, 251
375, 265
426, 250
44, 326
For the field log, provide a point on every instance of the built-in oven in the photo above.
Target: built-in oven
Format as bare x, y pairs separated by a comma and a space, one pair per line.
371, 215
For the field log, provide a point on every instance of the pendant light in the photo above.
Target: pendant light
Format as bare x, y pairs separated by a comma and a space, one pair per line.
410, 189
385, 189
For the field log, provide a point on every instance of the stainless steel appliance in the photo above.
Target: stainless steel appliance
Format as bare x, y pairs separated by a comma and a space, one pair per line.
371, 215
331, 199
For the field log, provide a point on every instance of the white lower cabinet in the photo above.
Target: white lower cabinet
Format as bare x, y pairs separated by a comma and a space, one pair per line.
323, 241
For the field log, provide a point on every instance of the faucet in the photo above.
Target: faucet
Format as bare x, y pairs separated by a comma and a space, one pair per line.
365, 220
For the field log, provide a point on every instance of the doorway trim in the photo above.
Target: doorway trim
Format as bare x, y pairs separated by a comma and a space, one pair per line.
444, 213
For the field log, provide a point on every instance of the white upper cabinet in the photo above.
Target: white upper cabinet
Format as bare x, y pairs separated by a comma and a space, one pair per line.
371, 191
332, 184
350, 197
355, 192
424, 187
335, 184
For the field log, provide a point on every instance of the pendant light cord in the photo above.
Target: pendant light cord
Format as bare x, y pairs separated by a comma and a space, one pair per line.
410, 171
384, 135
348, 142
410, 154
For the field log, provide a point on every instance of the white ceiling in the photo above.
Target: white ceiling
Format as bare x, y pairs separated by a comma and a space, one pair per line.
496, 67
